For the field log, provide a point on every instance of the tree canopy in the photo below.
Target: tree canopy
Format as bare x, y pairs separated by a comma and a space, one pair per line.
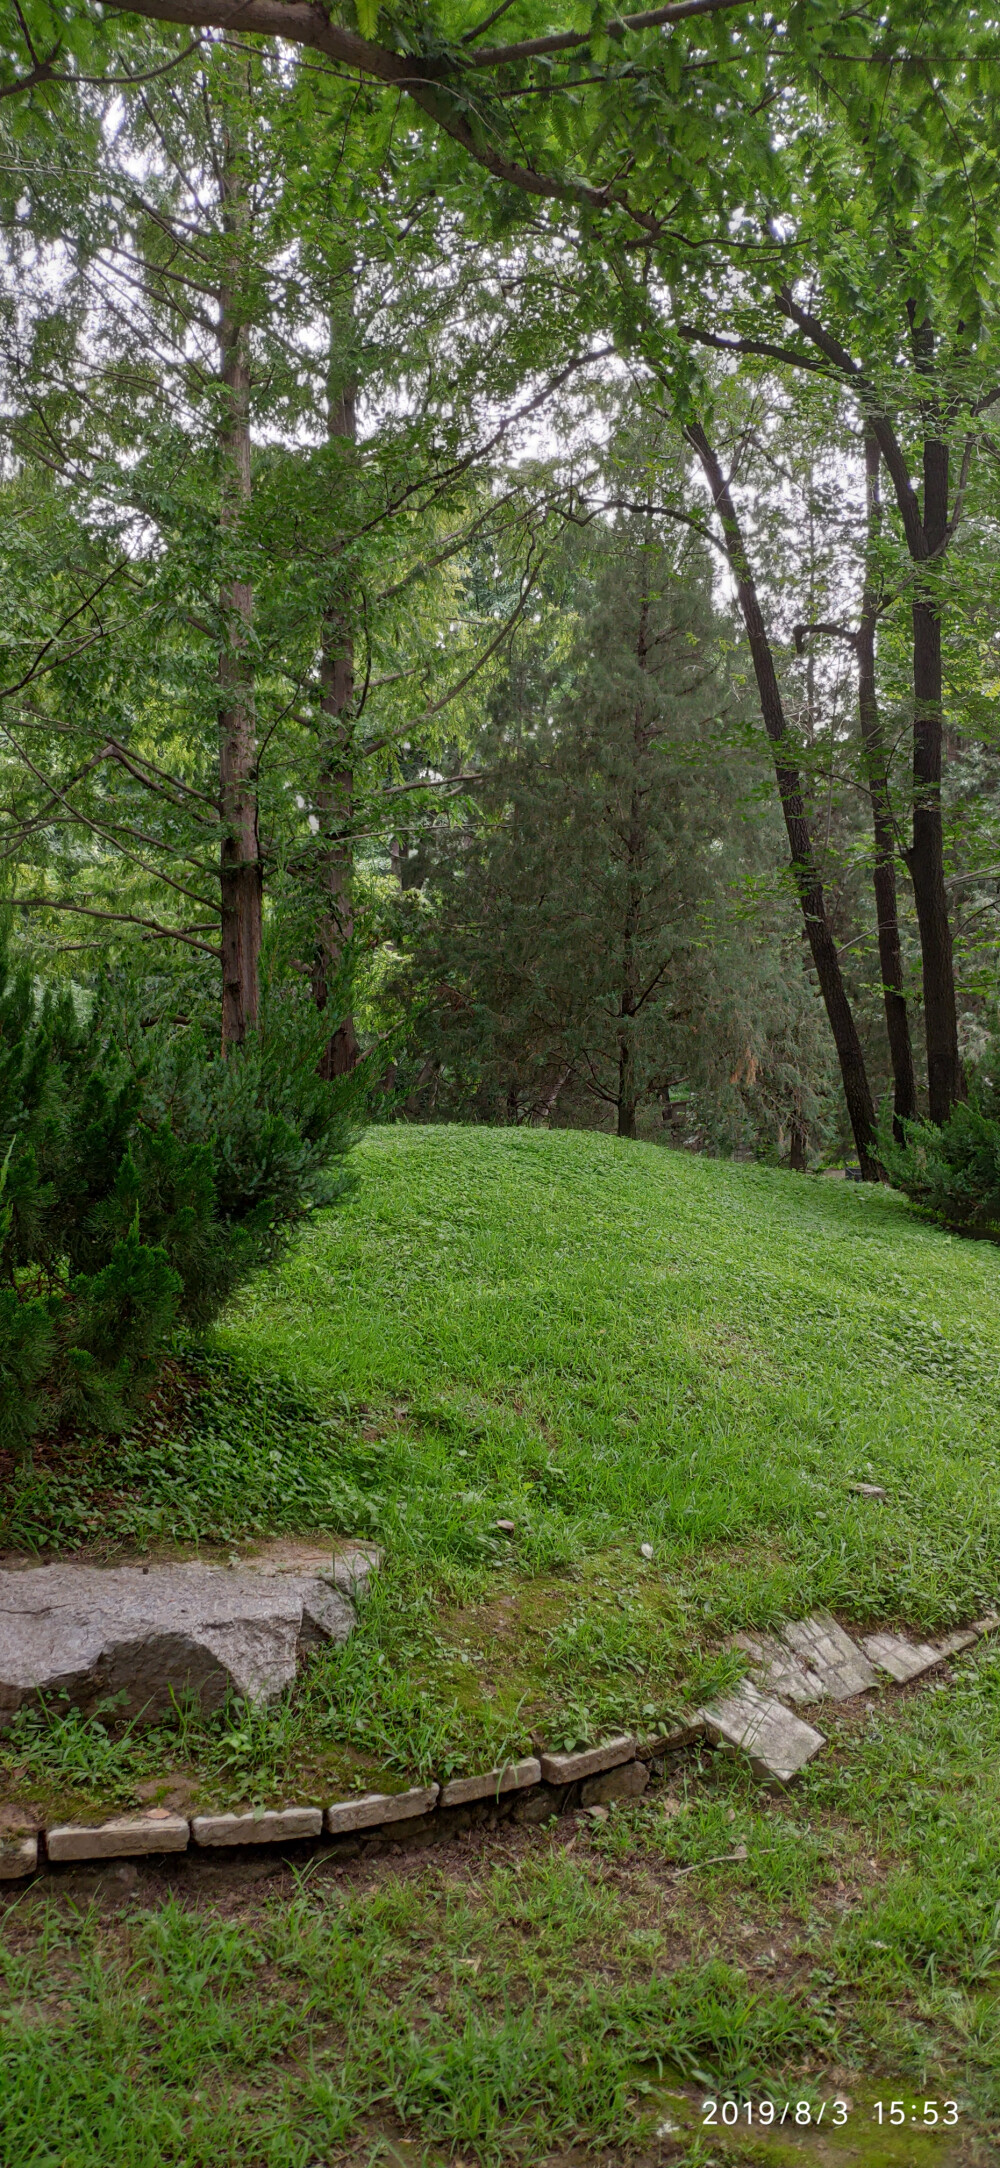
322, 333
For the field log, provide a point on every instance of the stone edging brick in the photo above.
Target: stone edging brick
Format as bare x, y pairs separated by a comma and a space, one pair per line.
125, 1836
533, 1789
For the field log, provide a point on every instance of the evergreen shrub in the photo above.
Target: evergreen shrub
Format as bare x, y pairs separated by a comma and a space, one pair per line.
953, 1172
136, 1192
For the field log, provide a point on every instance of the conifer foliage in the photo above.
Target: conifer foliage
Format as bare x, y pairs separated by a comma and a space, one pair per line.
136, 1194
586, 944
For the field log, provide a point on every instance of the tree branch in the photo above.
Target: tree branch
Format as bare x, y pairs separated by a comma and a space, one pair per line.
437, 86
151, 926
568, 41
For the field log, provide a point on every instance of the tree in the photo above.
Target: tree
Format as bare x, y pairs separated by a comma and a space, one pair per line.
181, 425
879, 275
581, 945
241, 883
804, 866
877, 770
676, 133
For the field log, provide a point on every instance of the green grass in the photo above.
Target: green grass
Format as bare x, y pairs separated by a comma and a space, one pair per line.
608, 1346
530, 1993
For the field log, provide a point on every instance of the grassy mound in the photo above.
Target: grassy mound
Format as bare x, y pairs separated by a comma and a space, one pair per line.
615, 1344
607, 1348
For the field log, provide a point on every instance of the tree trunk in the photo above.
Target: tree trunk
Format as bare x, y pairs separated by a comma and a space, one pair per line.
945, 1082
805, 870
635, 848
877, 771
927, 535
335, 788
240, 867
548, 1106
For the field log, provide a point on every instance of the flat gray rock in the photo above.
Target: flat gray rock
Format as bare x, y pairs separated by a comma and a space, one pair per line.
148, 1634
777, 1742
350, 1566
830, 1654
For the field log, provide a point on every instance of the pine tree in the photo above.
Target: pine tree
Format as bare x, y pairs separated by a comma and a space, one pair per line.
582, 953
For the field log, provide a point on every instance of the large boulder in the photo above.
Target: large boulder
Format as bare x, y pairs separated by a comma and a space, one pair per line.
141, 1635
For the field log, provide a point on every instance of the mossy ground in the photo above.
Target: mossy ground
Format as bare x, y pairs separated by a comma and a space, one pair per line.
607, 1346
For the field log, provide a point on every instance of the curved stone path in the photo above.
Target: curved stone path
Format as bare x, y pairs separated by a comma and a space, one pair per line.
803, 1664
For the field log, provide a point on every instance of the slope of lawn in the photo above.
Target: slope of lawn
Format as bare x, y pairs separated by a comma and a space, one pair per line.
607, 1347
614, 1344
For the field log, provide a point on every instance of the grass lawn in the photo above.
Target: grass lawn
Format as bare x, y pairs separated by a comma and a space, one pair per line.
607, 1346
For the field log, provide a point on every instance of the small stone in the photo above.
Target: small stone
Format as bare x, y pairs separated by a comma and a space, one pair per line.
513, 1777
625, 1782
506, 1528
597, 1814
372, 1808
122, 1838
18, 1856
569, 1768
353, 1569
867, 1490
270, 1827
533, 1808
987, 1625
646, 1550
778, 1744
831, 1654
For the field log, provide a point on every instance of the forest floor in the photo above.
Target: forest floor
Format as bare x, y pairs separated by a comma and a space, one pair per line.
607, 1347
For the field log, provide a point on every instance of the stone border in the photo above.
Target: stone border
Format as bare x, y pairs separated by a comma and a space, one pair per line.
749, 1721
618, 1769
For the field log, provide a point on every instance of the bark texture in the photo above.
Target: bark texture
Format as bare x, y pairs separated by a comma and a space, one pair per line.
945, 1081
928, 532
635, 851
805, 870
877, 771
335, 789
240, 867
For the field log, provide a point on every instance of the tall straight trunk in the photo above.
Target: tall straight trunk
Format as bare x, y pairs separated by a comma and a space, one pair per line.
897, 1020
805, 870
239, 855
628, 1096
335, 788
635, 845
928, 531
945, 1081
